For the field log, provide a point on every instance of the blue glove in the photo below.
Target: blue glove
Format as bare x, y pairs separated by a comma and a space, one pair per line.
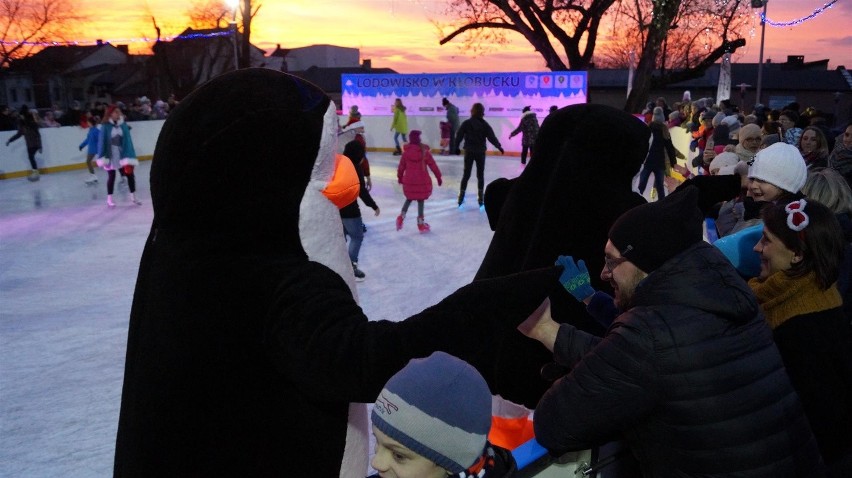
575, 278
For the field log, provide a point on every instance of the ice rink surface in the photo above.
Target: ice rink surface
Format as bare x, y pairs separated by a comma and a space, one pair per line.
68, 268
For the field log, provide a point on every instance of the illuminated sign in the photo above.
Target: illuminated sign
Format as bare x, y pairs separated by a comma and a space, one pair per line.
502, 94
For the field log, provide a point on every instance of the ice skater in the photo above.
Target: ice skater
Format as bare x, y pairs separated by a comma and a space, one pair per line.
116, 153
415, 179
91, 145
28, 128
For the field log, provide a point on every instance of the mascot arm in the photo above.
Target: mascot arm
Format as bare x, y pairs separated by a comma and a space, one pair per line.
588, 407
318, 337
496, 193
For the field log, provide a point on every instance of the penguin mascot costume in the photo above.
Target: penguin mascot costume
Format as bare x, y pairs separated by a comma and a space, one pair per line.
562, 204
247, 353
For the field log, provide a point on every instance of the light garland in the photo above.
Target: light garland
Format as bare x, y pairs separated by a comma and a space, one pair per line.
798, 21
189, 36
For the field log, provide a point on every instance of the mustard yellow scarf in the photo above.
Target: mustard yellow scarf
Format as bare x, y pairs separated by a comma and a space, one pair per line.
782, 297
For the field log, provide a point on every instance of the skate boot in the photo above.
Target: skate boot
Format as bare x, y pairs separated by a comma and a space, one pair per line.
399, 220
461, 197
397, 152
34, 176
422, 225
480, 198
91, 180
134, 200
110, 203
359, 275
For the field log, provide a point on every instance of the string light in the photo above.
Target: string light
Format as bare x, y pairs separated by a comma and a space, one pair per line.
123, 41
798, 21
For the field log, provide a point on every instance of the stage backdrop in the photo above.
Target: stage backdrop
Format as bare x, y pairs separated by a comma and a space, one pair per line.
502, 94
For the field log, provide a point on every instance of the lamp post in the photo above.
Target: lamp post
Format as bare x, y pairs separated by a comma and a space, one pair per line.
743, 87
232, 26
759, 4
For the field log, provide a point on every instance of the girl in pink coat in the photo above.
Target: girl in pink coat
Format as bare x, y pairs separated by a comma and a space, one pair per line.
415, 179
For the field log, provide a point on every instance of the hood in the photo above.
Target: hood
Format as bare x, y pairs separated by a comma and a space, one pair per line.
700, 277
244, 159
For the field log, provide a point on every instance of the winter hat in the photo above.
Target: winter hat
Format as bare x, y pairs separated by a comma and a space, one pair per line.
717, 120
782, 165
650, 234
414, 136
748, 130
725, 161
526, 108
440, 408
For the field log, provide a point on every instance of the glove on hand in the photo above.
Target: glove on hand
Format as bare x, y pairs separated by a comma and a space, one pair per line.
439, 181
500, 149
575, 278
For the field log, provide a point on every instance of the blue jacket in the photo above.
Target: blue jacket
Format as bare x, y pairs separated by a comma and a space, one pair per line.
91, 140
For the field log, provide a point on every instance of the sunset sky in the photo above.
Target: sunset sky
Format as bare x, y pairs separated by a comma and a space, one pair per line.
401, 34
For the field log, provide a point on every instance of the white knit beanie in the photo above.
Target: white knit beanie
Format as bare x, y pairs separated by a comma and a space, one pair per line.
724, 160
781, 165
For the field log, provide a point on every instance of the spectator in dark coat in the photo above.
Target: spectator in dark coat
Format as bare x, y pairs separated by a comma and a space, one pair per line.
453, 119
688, 373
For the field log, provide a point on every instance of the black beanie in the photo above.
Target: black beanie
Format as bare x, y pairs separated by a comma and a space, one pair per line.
650, 234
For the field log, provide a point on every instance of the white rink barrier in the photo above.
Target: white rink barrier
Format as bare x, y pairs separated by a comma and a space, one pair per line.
60, 145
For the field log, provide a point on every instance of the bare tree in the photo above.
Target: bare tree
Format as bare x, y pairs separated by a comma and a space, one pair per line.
563, 32
247, 14
208, 13
679, 39
24, 24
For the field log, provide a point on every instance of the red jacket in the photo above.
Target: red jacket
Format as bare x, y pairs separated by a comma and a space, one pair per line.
412, 173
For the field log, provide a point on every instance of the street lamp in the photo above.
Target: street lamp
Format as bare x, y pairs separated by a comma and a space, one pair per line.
759, 4
232, 26
743, 87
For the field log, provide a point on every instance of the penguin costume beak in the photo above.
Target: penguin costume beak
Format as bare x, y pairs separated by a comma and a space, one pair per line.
343, 188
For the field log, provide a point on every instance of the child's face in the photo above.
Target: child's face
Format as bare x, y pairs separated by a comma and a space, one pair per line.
763, 191
394, 460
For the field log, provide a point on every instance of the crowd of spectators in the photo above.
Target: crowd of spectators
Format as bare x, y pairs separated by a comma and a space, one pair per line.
77, 114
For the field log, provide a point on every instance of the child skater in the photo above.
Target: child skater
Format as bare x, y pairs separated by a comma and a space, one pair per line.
116, 153
415, 179
91, 145
432, 420
445, 137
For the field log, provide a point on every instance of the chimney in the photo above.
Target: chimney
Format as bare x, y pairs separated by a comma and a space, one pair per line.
795, 60
367, 64
123, 48
99, 42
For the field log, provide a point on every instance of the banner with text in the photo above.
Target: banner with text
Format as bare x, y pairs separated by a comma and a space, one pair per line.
502, 94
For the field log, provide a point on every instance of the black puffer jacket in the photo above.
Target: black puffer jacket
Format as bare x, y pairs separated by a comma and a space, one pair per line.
690, 376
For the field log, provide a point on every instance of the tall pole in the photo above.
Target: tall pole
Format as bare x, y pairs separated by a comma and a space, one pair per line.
760, 64
232, 26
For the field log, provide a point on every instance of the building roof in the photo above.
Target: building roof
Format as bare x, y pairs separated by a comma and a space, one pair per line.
795, 75
59, 58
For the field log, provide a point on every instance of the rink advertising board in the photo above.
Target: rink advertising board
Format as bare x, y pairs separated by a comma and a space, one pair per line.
502, 94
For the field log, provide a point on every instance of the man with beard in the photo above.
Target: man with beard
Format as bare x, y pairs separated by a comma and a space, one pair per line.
687, 374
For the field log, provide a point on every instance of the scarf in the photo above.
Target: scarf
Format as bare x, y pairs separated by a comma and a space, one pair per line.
782, 297
841, 158
744, 154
